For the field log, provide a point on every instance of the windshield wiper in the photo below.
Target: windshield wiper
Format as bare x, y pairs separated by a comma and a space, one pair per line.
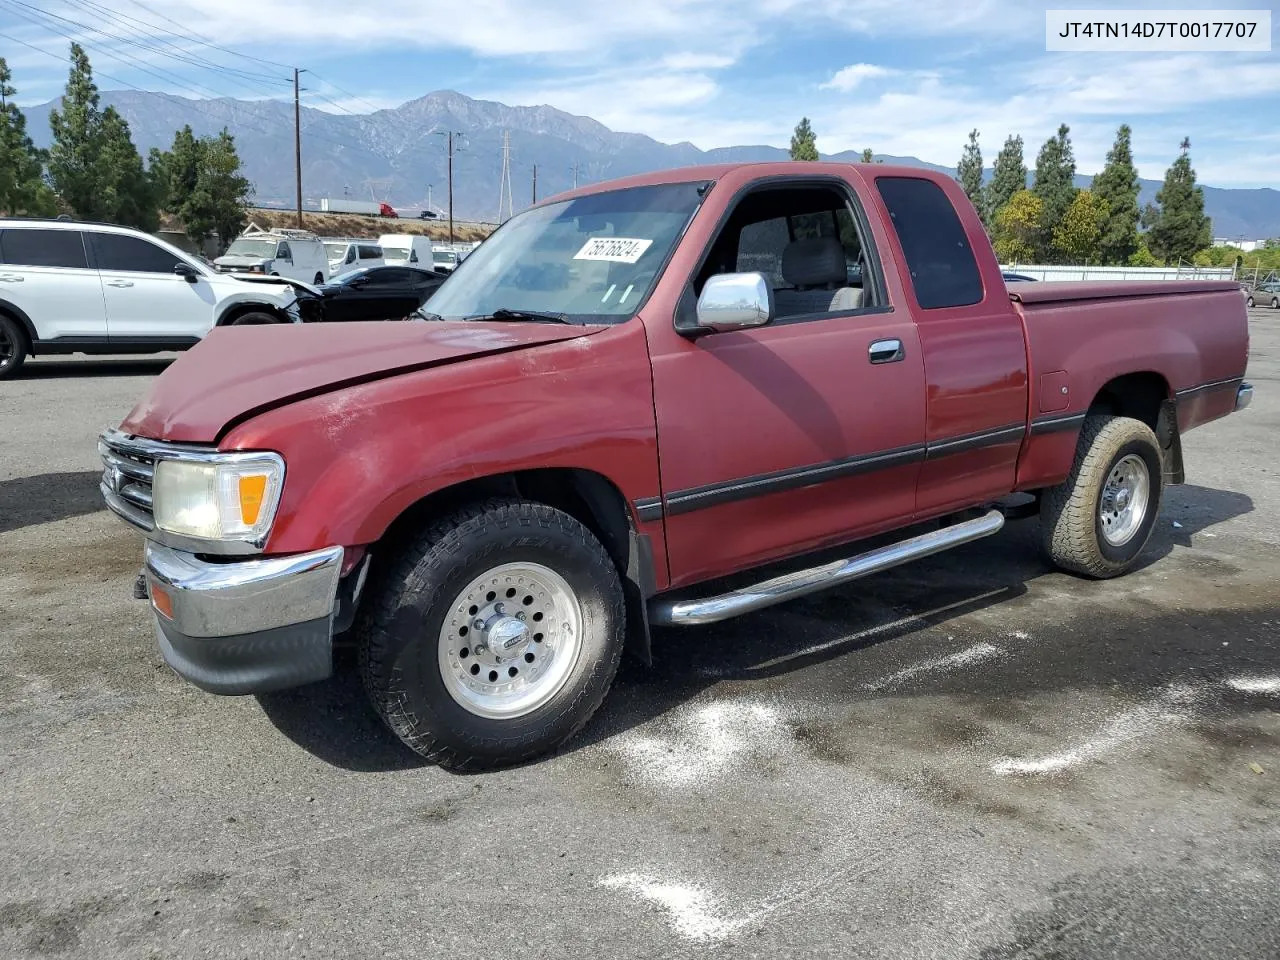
429, 316
503, 313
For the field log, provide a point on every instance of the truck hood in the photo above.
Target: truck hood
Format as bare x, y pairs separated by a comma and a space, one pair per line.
237, 372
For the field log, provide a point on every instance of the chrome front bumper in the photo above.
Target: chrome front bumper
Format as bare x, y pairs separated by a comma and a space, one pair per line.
1244, 395
248, 626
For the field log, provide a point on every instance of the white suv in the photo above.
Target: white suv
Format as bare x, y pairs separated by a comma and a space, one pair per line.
73, 287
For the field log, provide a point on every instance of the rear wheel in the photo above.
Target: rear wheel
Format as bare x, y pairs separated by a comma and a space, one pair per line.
1249, 302
13, 346
1097, 522
1275, 303
495, 637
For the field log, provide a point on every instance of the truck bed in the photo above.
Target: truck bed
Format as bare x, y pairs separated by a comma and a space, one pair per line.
1193, 336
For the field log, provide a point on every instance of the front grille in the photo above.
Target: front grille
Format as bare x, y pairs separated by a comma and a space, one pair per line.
126, 481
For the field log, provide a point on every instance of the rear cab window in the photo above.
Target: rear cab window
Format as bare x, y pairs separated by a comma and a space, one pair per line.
939, 258
34, 247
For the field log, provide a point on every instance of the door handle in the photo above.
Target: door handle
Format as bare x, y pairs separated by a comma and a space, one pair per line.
119, 283
10, 278
886, 351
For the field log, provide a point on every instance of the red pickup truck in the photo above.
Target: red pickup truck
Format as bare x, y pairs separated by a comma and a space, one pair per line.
626, 395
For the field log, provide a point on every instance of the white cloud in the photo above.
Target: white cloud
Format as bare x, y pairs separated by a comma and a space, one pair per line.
851, 77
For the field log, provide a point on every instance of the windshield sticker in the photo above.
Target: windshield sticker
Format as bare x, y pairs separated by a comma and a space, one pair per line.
614, 249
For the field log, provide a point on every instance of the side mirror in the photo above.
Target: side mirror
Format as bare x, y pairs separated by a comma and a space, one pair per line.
186, 271
735, 301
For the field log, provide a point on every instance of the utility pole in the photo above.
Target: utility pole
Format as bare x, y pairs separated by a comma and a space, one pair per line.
535, 183
575, 174
450, 134
297, 141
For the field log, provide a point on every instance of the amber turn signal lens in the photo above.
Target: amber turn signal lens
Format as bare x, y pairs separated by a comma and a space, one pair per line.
252, 489
161, 600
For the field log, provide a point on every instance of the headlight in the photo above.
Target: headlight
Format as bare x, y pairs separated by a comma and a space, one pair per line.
235, 499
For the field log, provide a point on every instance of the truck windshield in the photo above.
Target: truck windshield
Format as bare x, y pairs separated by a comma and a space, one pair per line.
252, 248
335, 251
591, 259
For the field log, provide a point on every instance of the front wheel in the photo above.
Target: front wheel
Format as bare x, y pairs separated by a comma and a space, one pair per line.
13, 347
495, 637
1275, 303
1098, 520
1249, 303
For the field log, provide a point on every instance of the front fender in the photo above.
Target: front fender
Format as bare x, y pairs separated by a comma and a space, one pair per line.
357, 458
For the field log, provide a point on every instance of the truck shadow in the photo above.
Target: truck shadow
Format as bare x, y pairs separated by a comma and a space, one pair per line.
333, 721
48, 497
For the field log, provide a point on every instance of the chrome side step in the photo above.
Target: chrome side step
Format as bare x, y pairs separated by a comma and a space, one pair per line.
682, 613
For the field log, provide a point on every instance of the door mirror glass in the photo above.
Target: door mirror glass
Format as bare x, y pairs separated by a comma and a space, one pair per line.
185, 270
735, 301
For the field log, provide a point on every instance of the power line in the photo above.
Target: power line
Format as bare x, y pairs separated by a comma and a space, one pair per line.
165, 76
347, 93
127, 59
205, 41
222, 69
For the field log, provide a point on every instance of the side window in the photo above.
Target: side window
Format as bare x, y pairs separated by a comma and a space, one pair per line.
806, 241
760, 249
27, 247
943, 270
283, 252
370, 253
117, 251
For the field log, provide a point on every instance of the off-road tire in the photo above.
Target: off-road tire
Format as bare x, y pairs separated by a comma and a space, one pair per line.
1070, 528
399, 625
15, 340
253, 318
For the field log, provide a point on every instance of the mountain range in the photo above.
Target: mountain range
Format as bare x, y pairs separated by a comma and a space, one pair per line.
399, 155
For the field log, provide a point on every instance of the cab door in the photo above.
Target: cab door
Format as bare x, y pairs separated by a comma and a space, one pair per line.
45, 272
805, 432
145, 298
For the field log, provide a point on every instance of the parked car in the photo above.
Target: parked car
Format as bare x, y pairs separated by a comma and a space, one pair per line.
410, 249
72, 287
447, 260
296, 254
1264, 294
610, 416
1017, 278
345, 255
370, 293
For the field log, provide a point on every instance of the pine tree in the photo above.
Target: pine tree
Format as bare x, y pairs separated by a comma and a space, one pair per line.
804, 142
1055, 186
22, 186
199, 181
1008, 176
73, 159
125, 178
1117, 184
868, 156
969, 173
93, 164
1180, 229
1077, 237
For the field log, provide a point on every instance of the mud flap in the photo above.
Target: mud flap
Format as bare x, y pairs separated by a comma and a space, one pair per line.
1170, 443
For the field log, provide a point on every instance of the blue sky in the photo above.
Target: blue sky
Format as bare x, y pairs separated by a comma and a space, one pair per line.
905, 77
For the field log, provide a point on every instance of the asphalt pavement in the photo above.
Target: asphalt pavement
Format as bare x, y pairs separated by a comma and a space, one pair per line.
971, 757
